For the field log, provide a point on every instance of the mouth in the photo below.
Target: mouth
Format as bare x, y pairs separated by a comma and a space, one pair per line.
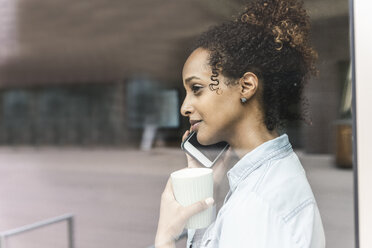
192, 122
195, 124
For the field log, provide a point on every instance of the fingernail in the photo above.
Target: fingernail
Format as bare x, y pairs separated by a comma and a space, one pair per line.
209, 201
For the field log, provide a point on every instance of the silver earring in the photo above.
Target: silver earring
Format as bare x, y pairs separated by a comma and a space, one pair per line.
243, 99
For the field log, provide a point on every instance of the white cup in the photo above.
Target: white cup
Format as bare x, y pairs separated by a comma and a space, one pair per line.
191, 185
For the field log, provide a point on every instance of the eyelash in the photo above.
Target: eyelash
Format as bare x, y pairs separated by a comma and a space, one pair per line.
195, 88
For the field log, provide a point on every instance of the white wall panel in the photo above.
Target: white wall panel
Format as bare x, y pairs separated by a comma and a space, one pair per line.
363, 91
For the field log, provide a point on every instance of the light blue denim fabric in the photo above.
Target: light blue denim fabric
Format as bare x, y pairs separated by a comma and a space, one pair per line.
270, 204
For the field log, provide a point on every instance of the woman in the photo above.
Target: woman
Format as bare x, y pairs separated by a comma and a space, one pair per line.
243, 82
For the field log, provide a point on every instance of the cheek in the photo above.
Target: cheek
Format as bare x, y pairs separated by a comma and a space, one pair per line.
221, 117
217, 125
219, 111
226, 116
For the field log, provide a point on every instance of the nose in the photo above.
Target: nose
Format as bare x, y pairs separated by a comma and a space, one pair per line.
186, 108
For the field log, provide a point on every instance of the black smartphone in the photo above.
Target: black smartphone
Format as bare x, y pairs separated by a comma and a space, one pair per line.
206, 155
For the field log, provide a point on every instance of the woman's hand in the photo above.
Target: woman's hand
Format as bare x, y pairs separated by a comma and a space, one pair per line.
173, 217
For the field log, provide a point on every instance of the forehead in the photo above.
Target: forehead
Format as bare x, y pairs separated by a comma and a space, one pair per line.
197, 64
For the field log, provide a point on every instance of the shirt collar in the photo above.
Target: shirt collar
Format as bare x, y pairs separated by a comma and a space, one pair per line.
255, 158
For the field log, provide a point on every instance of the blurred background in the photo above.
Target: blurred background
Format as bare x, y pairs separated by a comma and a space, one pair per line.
90, 93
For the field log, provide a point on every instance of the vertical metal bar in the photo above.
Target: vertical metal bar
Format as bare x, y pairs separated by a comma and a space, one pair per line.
354, 126
2, 241
70, 227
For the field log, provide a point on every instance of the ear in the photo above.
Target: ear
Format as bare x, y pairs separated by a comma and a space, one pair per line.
248, 85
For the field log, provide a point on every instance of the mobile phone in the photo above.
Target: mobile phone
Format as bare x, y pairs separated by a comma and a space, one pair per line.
206, 155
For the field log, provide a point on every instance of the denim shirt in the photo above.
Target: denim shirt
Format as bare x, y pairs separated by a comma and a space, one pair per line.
269, 204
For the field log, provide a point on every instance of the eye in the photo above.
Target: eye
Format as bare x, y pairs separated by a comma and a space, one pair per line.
195, 88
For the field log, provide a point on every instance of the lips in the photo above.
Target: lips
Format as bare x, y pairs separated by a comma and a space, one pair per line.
192, 122
195, 124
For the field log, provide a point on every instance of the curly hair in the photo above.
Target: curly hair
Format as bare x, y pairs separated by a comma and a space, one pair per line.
271, 39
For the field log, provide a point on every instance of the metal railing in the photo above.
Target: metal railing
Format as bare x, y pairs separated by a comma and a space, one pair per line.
67, 217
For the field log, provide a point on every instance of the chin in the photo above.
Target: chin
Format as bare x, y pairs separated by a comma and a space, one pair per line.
205, 140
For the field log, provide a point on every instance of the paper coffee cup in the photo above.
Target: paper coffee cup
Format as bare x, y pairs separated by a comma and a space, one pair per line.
191, 185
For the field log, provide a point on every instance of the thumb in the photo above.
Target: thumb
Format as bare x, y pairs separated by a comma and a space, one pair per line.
198, 207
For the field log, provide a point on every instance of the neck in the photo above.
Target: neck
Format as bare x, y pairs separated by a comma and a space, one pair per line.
248, 136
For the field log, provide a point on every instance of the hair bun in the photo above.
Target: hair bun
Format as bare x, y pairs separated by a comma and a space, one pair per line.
287, 20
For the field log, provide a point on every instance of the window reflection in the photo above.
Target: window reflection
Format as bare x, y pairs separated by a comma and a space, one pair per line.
81, 133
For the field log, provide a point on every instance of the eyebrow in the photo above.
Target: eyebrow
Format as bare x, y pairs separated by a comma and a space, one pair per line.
189, 79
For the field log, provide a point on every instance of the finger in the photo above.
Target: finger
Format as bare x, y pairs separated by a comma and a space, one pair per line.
198, 207
185, 135
168, 187
168, 191
191, 162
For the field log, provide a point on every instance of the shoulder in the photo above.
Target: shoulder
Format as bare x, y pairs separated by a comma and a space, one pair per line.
280, 182
281, 202
283, 185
